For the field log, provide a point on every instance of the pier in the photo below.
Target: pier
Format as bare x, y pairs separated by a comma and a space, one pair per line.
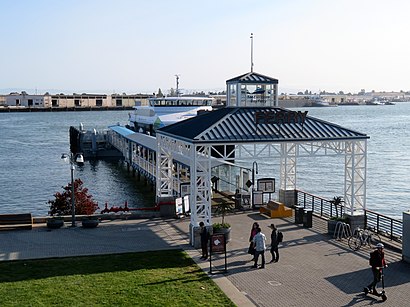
190, 157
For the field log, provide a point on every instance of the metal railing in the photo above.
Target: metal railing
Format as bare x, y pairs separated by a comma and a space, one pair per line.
319, 205
382, 224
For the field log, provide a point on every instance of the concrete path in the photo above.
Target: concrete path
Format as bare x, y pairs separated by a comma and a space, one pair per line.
314, 269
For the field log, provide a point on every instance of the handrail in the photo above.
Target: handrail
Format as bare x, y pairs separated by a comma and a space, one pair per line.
319, 205
384, 225
232, 184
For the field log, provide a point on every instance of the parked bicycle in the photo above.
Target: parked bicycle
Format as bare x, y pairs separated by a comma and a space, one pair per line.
363, 237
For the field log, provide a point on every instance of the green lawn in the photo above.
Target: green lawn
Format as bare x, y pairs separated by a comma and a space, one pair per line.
164, 278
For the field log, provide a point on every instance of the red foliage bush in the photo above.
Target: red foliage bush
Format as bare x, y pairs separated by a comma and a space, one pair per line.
84, 203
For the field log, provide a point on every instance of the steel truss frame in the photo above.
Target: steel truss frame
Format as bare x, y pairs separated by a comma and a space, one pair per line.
354, 151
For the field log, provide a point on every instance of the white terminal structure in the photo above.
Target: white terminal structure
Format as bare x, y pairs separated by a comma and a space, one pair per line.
250, 128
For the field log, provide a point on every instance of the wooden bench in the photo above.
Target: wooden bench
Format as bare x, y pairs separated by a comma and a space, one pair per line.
275, 209
16, 221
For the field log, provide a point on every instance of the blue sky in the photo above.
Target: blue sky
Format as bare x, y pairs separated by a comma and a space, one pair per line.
137, 46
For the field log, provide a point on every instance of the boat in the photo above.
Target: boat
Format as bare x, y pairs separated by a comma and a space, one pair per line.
163, 111
374, 102
378, 102
319, 102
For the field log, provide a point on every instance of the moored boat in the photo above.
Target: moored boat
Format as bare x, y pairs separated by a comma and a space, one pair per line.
164, 111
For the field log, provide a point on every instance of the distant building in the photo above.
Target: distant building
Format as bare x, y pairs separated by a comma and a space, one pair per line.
73, 101
24, 100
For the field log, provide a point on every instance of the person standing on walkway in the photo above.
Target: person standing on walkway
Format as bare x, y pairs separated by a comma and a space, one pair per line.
377, 262
251, 249
259, 241
274, 248
204, 240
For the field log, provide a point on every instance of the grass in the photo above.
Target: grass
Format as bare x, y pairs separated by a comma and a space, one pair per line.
164, 278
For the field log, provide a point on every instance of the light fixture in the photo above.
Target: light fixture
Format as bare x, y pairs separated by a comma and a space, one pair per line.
79, 159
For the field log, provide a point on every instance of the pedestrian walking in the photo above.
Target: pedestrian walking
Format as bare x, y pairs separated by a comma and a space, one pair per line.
259, 241
251, 249
274, 245
204, 240
377, 262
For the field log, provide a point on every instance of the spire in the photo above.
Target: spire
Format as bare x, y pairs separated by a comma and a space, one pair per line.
251, 52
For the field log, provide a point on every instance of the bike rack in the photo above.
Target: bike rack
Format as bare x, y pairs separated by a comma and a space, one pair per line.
342, 230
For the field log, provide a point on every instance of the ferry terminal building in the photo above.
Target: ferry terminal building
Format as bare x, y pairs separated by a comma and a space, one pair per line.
250, 128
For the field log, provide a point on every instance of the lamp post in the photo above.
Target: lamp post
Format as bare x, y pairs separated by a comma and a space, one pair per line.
77, 158
254, 168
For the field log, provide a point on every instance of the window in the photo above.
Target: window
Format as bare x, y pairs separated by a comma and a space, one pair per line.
54, 103
118, 102
77, 102
98, 102
30, 102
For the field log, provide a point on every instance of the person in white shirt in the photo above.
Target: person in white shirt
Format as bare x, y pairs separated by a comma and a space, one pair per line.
259, 240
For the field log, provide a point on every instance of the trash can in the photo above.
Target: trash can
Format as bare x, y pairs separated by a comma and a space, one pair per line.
299, 214
307, 218
238, 200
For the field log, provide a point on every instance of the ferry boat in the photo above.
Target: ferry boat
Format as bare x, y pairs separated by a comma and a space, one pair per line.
320, 103
164, 111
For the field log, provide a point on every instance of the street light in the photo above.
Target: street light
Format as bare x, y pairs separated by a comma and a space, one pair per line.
254, 168
77, 158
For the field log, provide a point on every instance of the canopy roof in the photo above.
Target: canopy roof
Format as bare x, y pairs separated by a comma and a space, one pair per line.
257, 124
253, 78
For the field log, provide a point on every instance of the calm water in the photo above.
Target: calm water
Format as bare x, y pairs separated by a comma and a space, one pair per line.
32, 171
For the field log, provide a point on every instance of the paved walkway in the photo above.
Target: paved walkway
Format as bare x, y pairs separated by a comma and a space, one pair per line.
314, 269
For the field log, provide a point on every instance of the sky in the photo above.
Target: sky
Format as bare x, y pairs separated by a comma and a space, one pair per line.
134, 46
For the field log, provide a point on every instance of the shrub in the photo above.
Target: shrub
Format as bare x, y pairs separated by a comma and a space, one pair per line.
84, 203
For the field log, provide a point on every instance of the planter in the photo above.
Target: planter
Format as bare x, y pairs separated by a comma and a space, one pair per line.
90, 223
55, 223
226, 232
331, 226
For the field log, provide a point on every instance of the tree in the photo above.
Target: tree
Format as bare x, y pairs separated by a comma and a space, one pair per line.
84, 203
160, 93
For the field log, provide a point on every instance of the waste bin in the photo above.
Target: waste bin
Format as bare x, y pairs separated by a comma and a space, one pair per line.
299, 214
238, 200
307, 218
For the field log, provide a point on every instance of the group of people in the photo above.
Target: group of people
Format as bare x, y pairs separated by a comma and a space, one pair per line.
257, 247
257, 244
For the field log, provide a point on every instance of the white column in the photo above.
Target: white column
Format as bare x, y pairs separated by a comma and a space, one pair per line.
355, 176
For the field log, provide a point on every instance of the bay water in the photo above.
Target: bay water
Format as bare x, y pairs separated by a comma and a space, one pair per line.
31, 169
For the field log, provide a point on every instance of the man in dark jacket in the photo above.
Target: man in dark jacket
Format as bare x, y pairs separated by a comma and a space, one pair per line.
204, 240
377, 262
274, 247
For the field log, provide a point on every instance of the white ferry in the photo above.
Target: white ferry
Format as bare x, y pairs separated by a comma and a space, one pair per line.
167, 110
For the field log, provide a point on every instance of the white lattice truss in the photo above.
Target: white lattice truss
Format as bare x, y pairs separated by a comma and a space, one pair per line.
355, 152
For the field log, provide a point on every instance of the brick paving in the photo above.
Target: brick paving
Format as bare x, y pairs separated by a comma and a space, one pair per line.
314, 269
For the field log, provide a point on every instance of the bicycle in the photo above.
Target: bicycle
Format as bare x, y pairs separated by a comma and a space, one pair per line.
362, 237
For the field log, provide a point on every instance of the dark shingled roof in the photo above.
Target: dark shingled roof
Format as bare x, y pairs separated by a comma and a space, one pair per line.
253, 78
257, 124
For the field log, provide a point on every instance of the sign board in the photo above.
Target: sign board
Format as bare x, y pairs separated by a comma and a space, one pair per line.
218, 243
178, 206
186, 203
266, 185
218, 246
